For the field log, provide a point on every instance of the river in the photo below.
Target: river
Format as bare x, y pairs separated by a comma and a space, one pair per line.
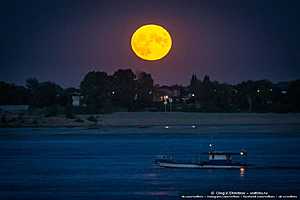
76, 163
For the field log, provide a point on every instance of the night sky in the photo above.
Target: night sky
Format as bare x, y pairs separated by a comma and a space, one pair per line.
231, 41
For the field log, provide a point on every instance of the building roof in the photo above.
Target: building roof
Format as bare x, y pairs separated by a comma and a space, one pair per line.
221, 153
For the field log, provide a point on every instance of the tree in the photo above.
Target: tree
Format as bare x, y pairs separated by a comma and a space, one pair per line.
144, 89
206, 93
124, 88
11, 94
246, 92
32, 84
255, 95
194, 83
223, 97
96, 90
206, 80
195, 87
44, 94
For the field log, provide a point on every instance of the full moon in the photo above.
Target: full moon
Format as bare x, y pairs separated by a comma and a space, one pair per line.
151, 42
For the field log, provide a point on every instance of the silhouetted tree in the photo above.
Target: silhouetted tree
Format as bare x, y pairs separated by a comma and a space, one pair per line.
195, 88
206, 93
223, 98
245, 96
32, 84
194, 83
96, 90
123, 88
144, 89
206, 80
255, 96
11, 94
44, 94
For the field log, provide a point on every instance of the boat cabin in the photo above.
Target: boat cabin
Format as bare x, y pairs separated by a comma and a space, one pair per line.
214, 155
219, 155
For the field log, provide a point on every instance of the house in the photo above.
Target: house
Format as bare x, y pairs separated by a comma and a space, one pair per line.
76, 99
162, 92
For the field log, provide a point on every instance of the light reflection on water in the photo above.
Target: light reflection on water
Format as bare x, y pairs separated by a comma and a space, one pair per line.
242, 171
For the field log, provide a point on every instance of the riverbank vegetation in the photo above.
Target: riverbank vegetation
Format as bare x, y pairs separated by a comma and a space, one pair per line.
125, 90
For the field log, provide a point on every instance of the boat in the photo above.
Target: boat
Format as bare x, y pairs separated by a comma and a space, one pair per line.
216, 160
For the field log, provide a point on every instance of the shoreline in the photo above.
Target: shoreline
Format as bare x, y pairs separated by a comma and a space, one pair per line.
151, 120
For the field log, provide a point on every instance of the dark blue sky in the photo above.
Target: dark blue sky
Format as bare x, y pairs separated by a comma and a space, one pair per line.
229, 40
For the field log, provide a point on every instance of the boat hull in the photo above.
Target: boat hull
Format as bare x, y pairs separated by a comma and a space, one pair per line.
199, 166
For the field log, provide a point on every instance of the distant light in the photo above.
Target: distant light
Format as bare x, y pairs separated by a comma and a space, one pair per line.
242, 153
271, 90
258, 90
166, 97
193, 126
283, 92
210, 145
166, 127
113, 92
193, 95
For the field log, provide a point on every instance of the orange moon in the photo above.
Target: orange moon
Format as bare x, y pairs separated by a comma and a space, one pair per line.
151, 42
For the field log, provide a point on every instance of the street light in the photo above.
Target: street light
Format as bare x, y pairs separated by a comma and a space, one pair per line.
166, 98
165, 103
170, 101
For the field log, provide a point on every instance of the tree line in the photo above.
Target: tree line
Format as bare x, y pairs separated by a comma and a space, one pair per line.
247, 96
127, 91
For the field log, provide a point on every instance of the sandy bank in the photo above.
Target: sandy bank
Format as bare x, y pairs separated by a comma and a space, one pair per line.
148, 119
180, 118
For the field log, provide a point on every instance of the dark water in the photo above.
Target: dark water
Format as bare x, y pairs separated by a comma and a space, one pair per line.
38, 164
